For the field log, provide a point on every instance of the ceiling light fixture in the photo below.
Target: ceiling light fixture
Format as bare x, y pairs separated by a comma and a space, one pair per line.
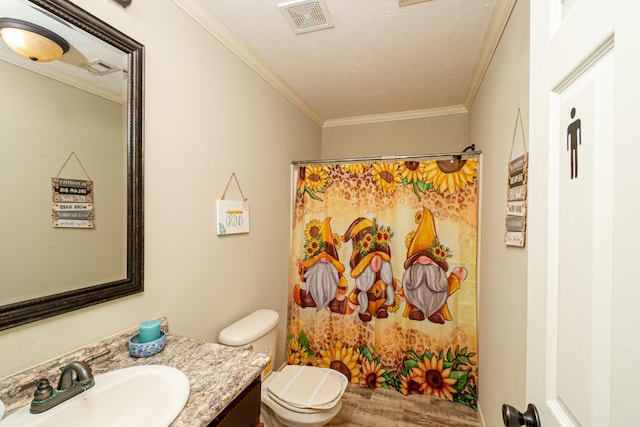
32, 41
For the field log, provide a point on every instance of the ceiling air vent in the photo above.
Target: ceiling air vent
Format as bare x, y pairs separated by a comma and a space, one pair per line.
101, 68
408, 2
306, 16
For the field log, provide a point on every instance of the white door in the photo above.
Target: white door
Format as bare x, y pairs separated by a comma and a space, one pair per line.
583, 204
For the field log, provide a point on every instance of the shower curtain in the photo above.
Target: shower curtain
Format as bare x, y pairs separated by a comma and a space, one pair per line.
383, 273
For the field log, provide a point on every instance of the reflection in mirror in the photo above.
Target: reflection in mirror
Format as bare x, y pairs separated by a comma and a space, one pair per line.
77, 118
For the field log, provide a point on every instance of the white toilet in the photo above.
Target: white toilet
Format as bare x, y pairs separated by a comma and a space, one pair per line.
295, 396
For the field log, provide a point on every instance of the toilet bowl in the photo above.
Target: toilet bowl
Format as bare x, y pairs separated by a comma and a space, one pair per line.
295, 396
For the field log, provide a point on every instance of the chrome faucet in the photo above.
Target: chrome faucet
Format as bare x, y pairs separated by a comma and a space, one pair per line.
76, 377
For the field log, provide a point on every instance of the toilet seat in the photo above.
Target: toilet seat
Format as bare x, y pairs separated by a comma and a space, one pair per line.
307, 389
277, 414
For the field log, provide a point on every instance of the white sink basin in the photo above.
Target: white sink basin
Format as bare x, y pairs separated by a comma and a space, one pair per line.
151, 395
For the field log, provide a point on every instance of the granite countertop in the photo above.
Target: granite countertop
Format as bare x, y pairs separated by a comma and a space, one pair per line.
217, 373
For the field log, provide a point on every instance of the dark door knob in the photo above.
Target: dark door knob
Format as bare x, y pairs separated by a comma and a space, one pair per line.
514, 418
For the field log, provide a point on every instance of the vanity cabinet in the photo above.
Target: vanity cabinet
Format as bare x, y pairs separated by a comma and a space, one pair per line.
244, 411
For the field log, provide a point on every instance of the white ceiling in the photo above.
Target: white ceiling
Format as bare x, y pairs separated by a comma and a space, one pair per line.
379, 60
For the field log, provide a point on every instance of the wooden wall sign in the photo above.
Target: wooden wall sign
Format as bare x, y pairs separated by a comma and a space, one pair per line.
516, 221
72, 203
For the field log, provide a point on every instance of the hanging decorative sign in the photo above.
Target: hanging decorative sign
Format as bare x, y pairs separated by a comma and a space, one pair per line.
72, 200
233, 215
516, 221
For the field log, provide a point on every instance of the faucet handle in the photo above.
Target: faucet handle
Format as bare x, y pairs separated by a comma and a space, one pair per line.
95, 356
43, 391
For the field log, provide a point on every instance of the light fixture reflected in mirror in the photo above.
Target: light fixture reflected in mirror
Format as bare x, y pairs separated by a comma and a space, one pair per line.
32, 41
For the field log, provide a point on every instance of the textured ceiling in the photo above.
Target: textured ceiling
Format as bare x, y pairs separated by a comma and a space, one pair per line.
378, 59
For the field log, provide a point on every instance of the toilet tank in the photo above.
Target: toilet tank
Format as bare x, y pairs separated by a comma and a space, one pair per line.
257, 332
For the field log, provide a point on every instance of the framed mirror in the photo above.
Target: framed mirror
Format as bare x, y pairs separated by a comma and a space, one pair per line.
76, 120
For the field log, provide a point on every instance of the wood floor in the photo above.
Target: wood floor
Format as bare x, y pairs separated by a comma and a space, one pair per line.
388, 408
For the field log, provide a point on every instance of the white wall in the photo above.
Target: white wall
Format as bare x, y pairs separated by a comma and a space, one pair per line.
440, 134
207, 115
503, 270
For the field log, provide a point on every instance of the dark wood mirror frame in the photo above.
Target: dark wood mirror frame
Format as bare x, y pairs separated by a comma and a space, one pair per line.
40, 308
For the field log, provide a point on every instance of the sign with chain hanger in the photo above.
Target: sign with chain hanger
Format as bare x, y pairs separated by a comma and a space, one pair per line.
72, 200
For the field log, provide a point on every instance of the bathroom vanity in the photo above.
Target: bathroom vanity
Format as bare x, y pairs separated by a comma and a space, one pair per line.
224, 382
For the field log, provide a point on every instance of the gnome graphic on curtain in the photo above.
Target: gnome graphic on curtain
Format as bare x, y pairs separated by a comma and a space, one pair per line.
321, 270
374, 293
425, 285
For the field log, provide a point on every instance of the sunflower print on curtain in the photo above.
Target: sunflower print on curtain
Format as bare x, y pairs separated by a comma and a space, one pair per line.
383, 274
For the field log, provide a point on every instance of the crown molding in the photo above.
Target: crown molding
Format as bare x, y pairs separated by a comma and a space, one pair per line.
392, 117
497, 25
202, 15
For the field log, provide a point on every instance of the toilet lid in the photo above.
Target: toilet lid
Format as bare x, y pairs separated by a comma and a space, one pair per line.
307, 387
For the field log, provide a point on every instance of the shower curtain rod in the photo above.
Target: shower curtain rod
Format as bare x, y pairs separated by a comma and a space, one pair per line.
459, 155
